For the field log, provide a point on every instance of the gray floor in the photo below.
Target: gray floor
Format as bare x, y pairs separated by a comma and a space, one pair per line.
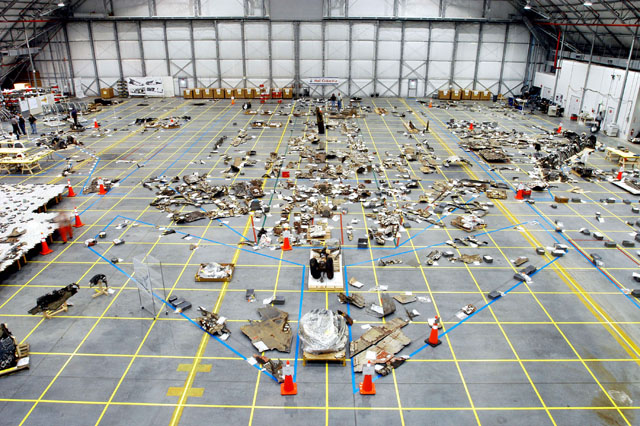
561, 350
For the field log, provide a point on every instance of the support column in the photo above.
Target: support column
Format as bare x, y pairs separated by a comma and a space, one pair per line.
270, 57
193, 55
350, 50
93, 55
117, 41
144, 65
586, 77
475, 70
244, 54
323, 35
215, 25
152, 8
166, 47
296, 54
626, 75
401, 65
375, 58
426, 64
558, 69
504, 55
454, 54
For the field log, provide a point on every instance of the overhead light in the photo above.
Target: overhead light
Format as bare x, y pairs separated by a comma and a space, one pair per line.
527, 6
588, 3
61, 4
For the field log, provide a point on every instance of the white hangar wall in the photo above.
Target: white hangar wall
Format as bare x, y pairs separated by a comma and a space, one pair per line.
232, 43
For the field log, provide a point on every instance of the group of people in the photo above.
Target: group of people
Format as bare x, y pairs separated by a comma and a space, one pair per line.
19, 125
336, 100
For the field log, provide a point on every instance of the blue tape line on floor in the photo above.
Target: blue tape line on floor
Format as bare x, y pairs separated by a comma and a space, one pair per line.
353, 373
295, 363
232, 349
222, 244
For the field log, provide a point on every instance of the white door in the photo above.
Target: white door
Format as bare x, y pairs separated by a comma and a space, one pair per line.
546, 92
574, 105
609, 116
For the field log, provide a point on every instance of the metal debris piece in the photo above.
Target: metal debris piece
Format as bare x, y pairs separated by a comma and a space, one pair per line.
388, 307
382, 262
271, 332
405, 298
356, 299
374, 335
55, 299
212, 323
521, 260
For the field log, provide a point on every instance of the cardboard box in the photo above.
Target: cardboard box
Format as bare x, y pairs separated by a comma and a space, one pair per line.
466, 95
218, 93
486, 96
106, 93
238, 93
228, 93
188, 94
247, 93
444, 94
276, 93
287, 93
456, 95
207, 94
475, 95
197, 93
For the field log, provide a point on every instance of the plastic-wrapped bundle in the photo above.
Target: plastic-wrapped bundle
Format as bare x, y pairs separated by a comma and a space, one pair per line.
322, 331
215, 270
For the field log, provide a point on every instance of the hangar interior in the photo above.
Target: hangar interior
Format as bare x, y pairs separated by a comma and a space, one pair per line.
319, 211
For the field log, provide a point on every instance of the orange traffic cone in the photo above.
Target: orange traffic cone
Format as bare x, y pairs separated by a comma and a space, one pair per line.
44, 246
470, 126
71, 193
367, 387
95, 123
286, 244
430, 104
102, 191
78, 221
233, 100
288, 387
560, 128
619, 177
433, 340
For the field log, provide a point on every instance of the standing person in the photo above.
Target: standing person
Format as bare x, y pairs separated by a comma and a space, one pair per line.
16, 129
23, 124
32, 122
74, 115
333, 99
339, 102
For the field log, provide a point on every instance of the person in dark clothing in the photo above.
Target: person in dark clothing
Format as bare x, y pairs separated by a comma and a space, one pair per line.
16, 129
32, 122
320, 121
333, 99
23, 124
74, 115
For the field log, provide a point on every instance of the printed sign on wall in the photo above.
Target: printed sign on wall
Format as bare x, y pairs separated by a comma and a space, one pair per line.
145, 86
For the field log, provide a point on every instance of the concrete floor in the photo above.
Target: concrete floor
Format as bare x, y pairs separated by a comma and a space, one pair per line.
561, 350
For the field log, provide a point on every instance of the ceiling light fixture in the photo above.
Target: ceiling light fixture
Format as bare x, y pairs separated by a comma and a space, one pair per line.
588, 3
61, 4
527, 6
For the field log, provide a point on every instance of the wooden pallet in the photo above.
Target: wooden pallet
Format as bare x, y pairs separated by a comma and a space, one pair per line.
333, 357
22, 352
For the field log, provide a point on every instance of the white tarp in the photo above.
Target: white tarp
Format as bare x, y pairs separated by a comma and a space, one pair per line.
145, 86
